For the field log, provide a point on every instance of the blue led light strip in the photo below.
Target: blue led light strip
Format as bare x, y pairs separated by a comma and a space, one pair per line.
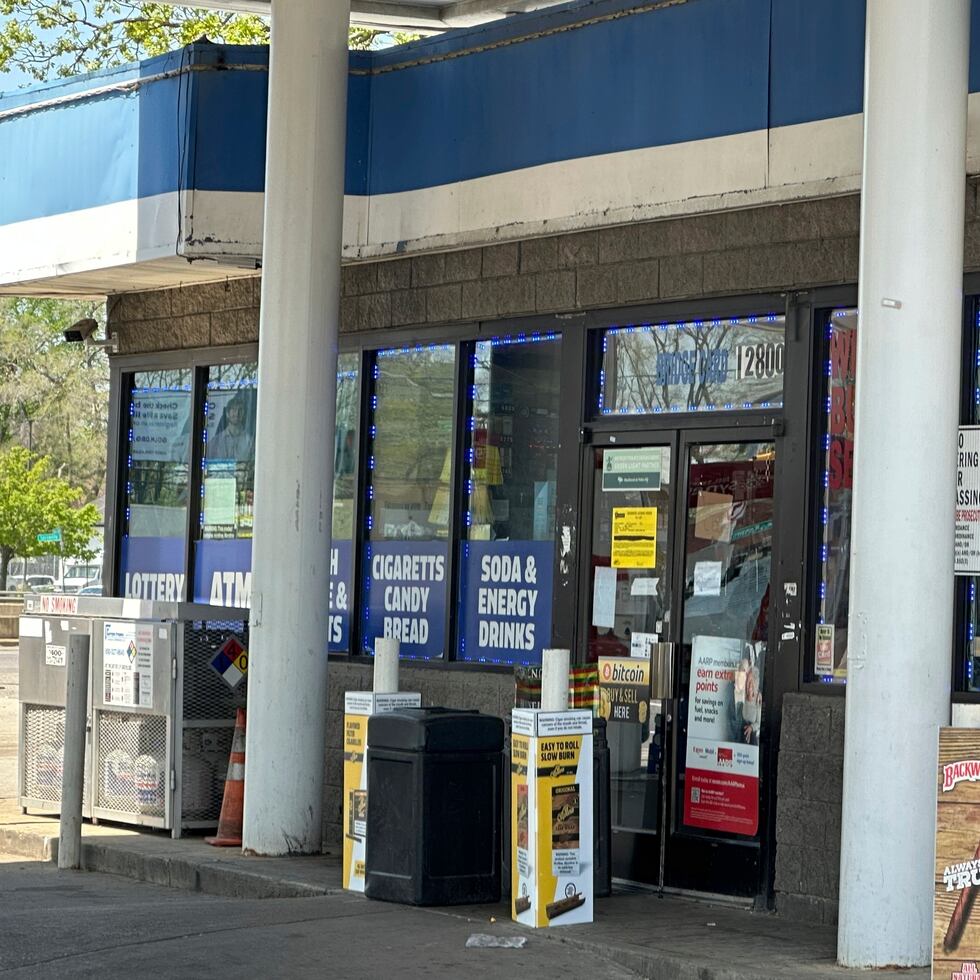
839, 316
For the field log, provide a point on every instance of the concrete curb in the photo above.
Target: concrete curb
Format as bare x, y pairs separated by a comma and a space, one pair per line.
215, 878
34, 846
210, 877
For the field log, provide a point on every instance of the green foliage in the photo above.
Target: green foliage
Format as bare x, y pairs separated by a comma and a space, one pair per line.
68, 37
34, 502
53, 395
60, 38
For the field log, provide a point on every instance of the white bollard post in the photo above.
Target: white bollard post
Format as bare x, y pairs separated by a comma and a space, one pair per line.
554, 680
73, 766
386, 665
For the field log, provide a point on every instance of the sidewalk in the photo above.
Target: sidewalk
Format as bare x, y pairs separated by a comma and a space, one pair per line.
668, 939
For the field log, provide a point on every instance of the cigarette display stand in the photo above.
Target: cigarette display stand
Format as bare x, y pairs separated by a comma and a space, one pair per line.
359, 706
601, 815
433, 823
552, 846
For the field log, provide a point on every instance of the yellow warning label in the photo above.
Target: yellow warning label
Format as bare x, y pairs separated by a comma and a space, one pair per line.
634, 537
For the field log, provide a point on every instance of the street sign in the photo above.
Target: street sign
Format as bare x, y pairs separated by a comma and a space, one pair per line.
50, 536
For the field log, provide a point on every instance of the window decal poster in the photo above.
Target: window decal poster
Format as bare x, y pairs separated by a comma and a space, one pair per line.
506, 600
724, 714
956, 915
406, 596
634, 537
152, 568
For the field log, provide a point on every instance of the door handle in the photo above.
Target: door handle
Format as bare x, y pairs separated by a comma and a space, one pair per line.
661, 671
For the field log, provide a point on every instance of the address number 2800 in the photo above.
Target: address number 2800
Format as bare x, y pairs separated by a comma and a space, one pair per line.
760, 361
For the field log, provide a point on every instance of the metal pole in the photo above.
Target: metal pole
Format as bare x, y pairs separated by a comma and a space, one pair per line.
907, 389
73, 768
300, 310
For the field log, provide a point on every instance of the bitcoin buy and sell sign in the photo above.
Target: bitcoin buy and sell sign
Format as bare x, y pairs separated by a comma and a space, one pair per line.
358, 708
552, 846
624, 689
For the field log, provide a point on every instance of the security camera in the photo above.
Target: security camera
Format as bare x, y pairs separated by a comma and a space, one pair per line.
79, 332
83, 332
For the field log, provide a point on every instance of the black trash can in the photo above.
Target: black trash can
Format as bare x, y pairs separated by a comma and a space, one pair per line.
601, 814
433, 814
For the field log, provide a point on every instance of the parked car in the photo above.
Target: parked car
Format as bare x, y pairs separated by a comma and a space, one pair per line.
95, 589
39, 583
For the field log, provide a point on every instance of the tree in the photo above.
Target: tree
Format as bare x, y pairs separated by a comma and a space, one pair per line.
54, 395
45, 38
33, 502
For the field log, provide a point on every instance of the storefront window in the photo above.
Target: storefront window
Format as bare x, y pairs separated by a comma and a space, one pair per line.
693, 366
157, 470
223, 555
968, 675
409, 499
829, 663
507, 554
344, 488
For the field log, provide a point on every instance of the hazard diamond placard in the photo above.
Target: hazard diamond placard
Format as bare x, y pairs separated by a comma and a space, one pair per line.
231, 661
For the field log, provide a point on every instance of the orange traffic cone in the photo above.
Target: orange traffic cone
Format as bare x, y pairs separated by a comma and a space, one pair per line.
230, 822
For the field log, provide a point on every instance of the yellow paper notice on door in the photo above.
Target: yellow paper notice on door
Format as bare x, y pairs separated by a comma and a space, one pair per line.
634, 537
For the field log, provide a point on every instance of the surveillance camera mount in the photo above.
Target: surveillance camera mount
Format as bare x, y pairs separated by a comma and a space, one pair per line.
110, 344
83, 332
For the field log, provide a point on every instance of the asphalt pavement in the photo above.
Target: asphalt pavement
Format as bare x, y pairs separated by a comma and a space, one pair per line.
84, 924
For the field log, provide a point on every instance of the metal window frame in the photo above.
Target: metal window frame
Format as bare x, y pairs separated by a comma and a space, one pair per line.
581, 334
122, 370
969, 415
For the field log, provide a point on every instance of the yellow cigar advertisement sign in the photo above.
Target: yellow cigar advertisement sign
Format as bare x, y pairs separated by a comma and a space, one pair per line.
956, 917
551, 821
358, 708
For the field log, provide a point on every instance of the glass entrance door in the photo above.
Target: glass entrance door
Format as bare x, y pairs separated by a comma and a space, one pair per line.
717, 736
631, 600
683, 558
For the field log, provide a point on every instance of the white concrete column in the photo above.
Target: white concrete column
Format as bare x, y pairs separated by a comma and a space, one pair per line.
908, 380
304, 199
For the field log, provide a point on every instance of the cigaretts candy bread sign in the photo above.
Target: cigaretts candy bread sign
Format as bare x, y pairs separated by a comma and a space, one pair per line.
956, 917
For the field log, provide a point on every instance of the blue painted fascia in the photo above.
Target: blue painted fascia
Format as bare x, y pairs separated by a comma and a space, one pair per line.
588, 78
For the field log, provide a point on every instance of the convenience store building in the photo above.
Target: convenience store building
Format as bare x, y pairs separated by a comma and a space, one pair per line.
596, 381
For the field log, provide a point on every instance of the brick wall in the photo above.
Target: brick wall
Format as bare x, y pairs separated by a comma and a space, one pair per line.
218, 314
489, 692
808, 807
780, 247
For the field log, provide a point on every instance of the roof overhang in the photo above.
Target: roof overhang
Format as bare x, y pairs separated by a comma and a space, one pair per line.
425, 17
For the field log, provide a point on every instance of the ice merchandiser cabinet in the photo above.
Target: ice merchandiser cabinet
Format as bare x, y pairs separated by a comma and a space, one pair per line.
165, 680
